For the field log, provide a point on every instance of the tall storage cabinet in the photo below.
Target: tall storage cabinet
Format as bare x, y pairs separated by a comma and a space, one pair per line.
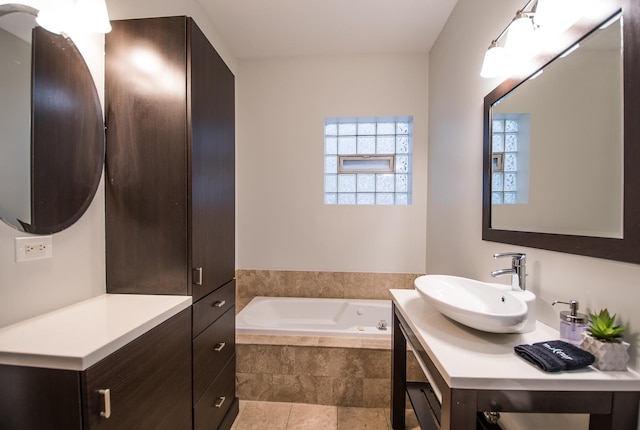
170, 189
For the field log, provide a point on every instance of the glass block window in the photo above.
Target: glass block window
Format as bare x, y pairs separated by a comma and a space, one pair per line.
507, 138
367, 161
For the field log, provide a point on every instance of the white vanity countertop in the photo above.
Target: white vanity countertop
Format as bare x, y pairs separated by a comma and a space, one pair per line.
78, 336
471, 359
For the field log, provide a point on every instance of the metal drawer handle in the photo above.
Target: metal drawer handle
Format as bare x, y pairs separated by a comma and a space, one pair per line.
219, 347
107, 403
197, 275
220, 401
219, 303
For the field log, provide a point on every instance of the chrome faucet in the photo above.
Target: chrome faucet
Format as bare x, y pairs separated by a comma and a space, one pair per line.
518, 270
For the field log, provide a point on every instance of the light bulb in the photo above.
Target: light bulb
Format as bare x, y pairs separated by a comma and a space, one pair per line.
56, 17
495, 62
93, 15
556, 16
519, 35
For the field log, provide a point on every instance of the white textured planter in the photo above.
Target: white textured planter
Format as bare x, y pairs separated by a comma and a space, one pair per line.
609, 355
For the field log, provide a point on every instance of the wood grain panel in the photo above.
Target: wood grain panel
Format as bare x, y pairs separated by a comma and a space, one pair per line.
210, 308
39, 399
146, 188
212, 164
595, 402
624, 413
207, 362
67, 140
205, 413
149, 379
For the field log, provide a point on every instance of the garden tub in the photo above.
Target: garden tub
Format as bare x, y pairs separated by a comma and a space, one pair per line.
315, 317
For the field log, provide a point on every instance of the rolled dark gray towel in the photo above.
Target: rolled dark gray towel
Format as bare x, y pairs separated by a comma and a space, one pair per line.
555, 355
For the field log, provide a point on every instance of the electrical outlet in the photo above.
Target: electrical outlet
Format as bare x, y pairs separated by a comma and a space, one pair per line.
33, 248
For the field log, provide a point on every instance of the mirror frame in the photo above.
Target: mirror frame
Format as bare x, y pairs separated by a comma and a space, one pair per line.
626, 249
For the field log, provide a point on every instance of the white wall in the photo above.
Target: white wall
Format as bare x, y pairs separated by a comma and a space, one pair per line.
77, 270
454, 244
283, 223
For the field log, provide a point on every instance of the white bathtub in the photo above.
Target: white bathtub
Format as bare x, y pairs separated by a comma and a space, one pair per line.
315, 317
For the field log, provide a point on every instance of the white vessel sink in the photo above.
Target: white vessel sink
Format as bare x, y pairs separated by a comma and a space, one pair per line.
480, 305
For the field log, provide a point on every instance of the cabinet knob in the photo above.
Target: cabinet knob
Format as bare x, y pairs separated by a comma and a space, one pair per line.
197, 275
219, 347
220, 401
106, 394
219, 303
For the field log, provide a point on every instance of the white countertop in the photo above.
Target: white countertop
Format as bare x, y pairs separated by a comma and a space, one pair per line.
78, 336
471, 359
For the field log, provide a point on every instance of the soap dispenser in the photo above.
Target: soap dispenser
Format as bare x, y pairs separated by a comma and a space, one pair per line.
572, 323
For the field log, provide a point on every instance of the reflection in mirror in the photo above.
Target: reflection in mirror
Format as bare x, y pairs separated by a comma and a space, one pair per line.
557, 142
52, 141
15, 115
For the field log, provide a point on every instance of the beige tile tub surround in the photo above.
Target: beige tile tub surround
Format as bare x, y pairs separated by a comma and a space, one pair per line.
337, 285
336, 371
317, 370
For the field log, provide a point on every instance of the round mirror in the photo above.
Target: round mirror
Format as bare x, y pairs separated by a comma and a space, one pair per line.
52, 139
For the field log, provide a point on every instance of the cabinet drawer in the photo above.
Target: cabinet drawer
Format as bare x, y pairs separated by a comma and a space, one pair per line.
211, 307
211, 351
211, 409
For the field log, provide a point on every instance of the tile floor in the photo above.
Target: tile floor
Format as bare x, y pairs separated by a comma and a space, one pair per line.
256, 415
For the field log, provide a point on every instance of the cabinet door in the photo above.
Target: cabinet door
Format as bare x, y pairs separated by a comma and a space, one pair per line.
149, 381
146, 165
212, 165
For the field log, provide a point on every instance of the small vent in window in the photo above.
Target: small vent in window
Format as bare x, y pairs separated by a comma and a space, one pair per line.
366, 164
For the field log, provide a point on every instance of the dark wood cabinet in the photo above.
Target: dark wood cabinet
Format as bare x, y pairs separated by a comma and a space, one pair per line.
33, 398
215, 410
212, 349
214, 360
210, 308
148, 383
170, 189
170, 165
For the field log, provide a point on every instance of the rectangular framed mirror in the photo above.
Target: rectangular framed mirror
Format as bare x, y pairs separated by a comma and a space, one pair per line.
561, 147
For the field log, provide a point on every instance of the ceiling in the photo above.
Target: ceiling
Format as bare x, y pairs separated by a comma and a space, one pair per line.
285, 28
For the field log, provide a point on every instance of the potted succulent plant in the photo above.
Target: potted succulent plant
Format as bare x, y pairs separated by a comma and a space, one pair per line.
603, 340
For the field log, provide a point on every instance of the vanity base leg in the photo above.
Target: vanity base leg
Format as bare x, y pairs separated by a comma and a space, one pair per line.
459, 410
624, 413
398, 376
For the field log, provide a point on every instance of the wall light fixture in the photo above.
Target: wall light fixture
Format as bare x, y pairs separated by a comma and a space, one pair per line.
94, 16
60, 16
537, 21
